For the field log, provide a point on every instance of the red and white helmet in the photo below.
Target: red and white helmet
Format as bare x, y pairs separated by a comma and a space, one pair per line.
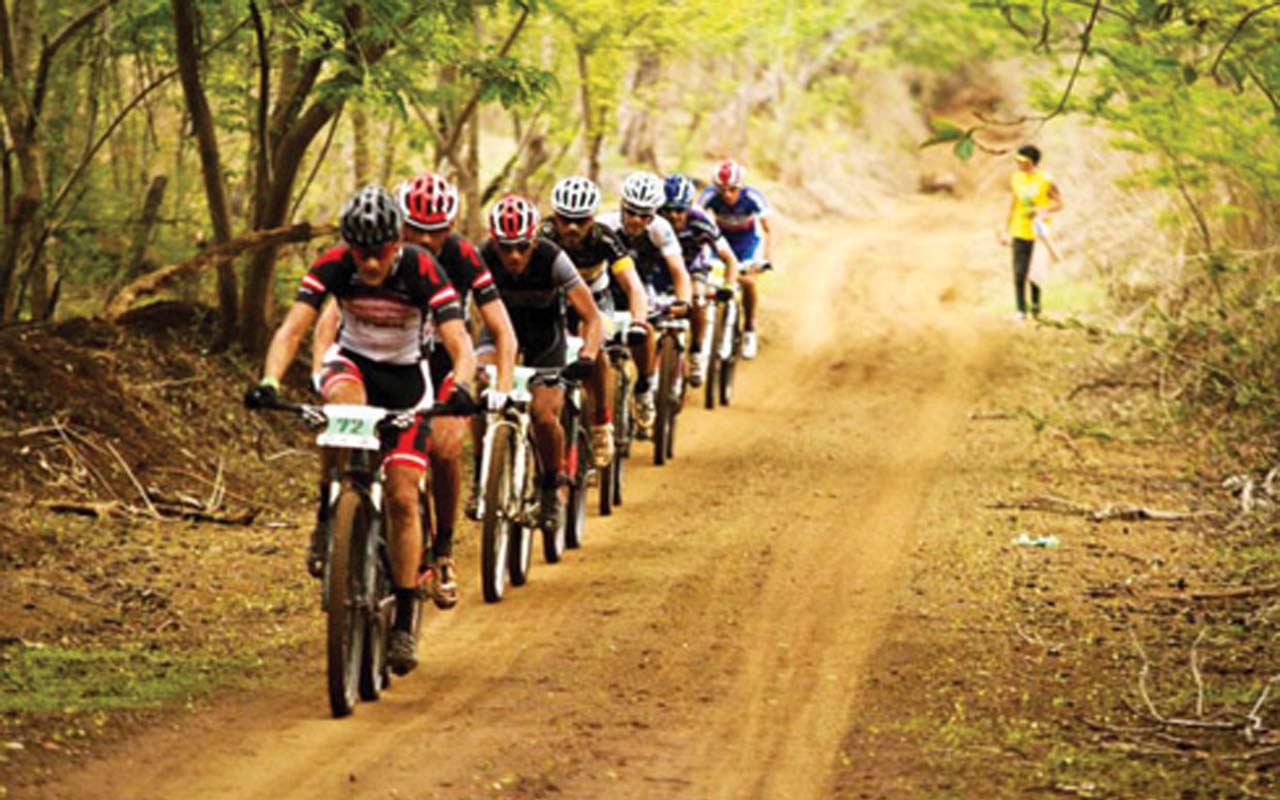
729, 175
428, 202
513, 219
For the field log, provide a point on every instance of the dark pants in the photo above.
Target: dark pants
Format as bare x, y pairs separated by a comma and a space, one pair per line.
1021, 266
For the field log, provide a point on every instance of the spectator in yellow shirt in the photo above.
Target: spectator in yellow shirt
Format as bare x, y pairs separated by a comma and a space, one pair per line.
1035, 198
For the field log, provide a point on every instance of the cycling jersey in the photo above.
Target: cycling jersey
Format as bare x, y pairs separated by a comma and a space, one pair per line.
600, 254
1031, 191
650, 250
383, 323
535, 300
700, 235
738, 222
468, 274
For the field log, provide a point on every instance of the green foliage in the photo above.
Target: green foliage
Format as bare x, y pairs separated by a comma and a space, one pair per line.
42, 680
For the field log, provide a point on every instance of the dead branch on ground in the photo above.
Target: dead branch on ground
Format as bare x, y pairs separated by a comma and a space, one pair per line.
1111, 511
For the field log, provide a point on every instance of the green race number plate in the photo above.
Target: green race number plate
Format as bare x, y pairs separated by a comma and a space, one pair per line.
353, 427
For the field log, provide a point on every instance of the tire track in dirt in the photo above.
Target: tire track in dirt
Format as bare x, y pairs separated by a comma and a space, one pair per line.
708, 639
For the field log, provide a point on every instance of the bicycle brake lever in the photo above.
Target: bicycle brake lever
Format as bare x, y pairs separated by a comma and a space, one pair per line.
314, 418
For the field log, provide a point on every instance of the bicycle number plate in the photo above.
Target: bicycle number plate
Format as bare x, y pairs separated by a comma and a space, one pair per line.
520, 384
573, 345
353, 427
617, 322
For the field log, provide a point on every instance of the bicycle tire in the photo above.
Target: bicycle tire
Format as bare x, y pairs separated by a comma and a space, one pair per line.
521, 549
495, 541
575, 523
665, 412
711, 383
374, 670
345, 621
728, 367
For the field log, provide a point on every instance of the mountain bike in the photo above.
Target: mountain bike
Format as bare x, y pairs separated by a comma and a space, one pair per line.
356, 590
507, 494
617, 350
579, 465
673, 335
723, 346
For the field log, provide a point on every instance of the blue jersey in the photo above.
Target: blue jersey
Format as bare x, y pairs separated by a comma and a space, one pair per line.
738, 222
700, 234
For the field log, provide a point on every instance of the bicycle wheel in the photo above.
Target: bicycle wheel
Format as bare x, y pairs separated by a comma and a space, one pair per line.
374, 671
520, 549
345, 636
728, 366
711, 383
575, 525
662, 424
495, 532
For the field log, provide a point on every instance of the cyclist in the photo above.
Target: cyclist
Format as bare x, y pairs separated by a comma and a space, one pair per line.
1035, 198
699, 237
659, 262
536, 278
602, 260
386, 292
743, 215
429, 205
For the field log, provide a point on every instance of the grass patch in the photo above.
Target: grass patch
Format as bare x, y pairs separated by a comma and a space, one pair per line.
51, 679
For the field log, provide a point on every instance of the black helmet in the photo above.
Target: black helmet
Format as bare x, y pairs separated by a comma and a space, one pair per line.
371, 218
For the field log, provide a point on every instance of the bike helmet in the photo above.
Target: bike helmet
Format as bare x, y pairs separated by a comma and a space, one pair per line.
370, 218
729, 175
428, 202
642, 192
679, 192
513, 219
575, 197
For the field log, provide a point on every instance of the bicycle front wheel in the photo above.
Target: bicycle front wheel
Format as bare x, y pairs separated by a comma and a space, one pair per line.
495, 539
576, 513
345, 636
664, 419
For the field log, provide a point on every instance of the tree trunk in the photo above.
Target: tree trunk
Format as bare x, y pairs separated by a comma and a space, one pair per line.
592, 135
25, 220
215, 189
136, 263
638, 139
360, 160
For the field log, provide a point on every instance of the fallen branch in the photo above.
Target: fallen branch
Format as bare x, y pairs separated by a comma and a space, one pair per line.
133, 479
1224, 593
1111, 511
1176, 721
150, 283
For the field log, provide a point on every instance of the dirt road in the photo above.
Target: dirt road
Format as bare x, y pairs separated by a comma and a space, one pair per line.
708, 640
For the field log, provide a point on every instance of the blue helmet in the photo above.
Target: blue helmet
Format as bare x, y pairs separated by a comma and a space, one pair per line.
680, 191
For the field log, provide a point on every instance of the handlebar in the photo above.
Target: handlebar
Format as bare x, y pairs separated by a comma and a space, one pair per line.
394, 419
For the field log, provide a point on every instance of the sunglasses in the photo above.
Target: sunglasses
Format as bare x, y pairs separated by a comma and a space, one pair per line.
630, 212
517, 247
378, 251
573, 222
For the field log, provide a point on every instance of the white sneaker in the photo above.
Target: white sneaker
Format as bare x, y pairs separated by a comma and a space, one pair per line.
698, 372
749, 344
646, 412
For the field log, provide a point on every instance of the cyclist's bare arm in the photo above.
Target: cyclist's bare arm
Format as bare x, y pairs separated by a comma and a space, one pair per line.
680, 277
326, 334
731, 267
453, 333
288, 338
592, 326
1055, 199
495, 317
766, 228
636, 299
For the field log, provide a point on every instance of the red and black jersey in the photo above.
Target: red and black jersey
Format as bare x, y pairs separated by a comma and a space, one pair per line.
466, 270
383, 323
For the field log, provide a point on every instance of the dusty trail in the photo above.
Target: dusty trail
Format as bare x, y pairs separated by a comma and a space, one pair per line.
709, 638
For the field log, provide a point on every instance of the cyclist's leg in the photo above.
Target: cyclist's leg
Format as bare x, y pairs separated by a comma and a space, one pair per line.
697, 326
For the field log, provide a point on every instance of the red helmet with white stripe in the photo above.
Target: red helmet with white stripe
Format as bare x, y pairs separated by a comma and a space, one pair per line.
513, 219
730, 175
428, 202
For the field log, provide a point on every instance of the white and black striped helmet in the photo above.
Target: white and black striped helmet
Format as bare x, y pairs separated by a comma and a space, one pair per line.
642, 192
370, 218
575, 197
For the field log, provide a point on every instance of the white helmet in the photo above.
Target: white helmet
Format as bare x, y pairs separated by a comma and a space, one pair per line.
643, 192
575, 197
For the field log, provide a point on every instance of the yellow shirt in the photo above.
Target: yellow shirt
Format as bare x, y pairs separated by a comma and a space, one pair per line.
1030, 190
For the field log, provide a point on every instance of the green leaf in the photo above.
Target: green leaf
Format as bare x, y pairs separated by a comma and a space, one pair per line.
1189, 74
943, 131
964, 148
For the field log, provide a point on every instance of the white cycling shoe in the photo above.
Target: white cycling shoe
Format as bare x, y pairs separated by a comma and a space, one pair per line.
749, 344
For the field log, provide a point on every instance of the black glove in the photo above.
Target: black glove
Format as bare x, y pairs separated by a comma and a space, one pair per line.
461, 402
765, 266
579, 370
264, 395
724, 294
